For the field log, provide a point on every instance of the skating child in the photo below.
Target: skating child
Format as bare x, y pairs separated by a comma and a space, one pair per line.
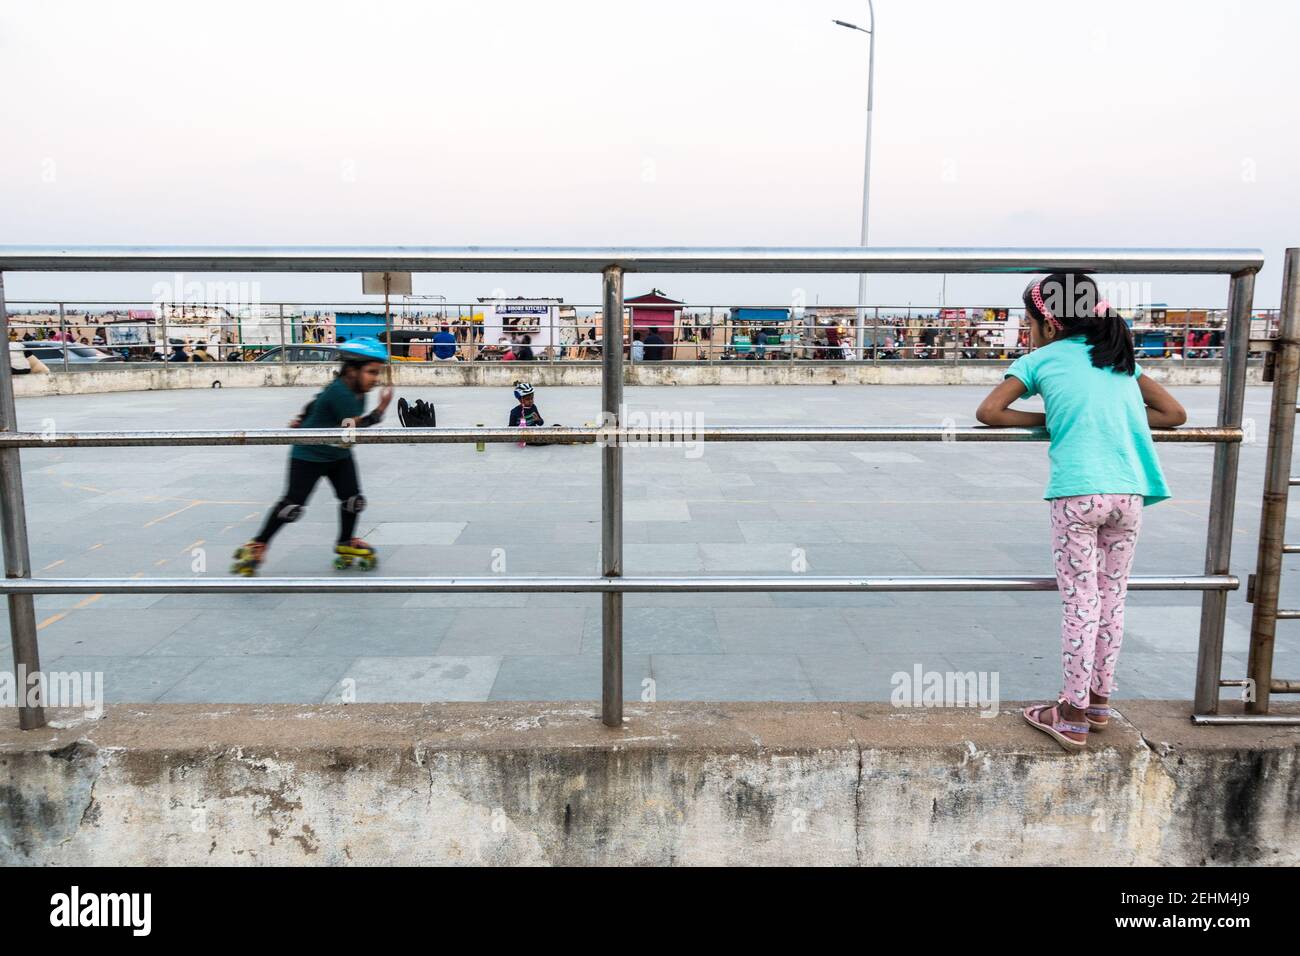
340, 404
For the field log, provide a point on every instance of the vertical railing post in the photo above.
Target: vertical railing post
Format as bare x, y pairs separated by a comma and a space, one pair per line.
875, 336
1277, 482
63, 335
1223, 492
284, 344
388, 333
18, 562
611, 502
789, 355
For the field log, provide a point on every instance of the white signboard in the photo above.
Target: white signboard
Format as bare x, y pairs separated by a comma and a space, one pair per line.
399, 283
539, 319
127, 334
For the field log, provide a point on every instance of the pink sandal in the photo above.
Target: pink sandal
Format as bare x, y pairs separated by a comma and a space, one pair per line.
1058, 727
1098, 716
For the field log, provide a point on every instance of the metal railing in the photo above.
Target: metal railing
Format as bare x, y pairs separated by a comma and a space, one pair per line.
700, 333
1214, 583
1264, 586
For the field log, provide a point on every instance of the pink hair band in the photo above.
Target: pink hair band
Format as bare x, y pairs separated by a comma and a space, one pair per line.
1037, 295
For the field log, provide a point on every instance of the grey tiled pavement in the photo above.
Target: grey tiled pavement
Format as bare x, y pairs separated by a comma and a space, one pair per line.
736, 508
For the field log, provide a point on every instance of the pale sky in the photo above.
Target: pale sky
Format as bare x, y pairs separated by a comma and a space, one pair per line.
710, 122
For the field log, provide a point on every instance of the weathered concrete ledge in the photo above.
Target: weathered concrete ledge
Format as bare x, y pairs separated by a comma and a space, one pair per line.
147, 377
733, 784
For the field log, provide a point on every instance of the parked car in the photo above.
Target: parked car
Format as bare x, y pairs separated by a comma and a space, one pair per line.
52, 352
301, 353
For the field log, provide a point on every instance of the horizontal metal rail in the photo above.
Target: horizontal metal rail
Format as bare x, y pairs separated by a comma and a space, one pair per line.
1223, 720
592, 584
1276, 685
914, 309
941, 356
554, 436
673, 259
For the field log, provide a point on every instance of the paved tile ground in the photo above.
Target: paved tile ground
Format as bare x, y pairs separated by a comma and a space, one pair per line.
723, 509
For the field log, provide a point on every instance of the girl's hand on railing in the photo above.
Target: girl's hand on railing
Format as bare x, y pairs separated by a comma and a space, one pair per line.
996, 409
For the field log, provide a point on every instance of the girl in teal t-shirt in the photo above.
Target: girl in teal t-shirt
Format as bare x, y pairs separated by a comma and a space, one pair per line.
1100, 409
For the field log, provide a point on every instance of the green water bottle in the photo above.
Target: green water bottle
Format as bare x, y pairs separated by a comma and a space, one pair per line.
480, 446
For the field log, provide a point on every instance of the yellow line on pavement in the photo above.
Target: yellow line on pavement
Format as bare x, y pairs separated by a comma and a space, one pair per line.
88, 600
173, 514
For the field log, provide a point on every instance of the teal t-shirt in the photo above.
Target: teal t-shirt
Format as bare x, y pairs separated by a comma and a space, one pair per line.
329, 408
1101, 442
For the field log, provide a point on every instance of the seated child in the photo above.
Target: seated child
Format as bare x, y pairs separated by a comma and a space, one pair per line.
526, 413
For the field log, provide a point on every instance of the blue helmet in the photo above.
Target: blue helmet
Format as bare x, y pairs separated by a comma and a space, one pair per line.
363, 349
522, 389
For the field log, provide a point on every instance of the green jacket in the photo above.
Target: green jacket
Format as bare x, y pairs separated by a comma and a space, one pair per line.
331, 406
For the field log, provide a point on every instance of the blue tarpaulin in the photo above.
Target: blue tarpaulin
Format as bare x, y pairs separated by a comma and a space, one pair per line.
350, 325
746, 314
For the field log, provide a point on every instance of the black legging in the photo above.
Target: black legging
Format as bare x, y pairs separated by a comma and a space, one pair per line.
303, 475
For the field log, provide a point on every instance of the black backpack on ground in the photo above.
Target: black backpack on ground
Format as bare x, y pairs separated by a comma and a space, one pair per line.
417, 415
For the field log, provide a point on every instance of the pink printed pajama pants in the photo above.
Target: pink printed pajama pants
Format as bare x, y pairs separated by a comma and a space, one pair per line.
1093, 537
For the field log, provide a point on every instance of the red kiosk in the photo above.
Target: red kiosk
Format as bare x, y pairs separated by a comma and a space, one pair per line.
654, 310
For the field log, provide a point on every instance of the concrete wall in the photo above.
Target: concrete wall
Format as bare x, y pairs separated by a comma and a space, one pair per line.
145, 376
730, 784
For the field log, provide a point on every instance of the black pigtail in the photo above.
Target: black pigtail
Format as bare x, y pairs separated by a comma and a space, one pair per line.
1112, 343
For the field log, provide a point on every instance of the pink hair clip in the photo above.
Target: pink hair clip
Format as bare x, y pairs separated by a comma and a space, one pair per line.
1102, 307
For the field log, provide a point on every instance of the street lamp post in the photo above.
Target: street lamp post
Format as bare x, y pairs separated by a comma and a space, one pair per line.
866, 164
